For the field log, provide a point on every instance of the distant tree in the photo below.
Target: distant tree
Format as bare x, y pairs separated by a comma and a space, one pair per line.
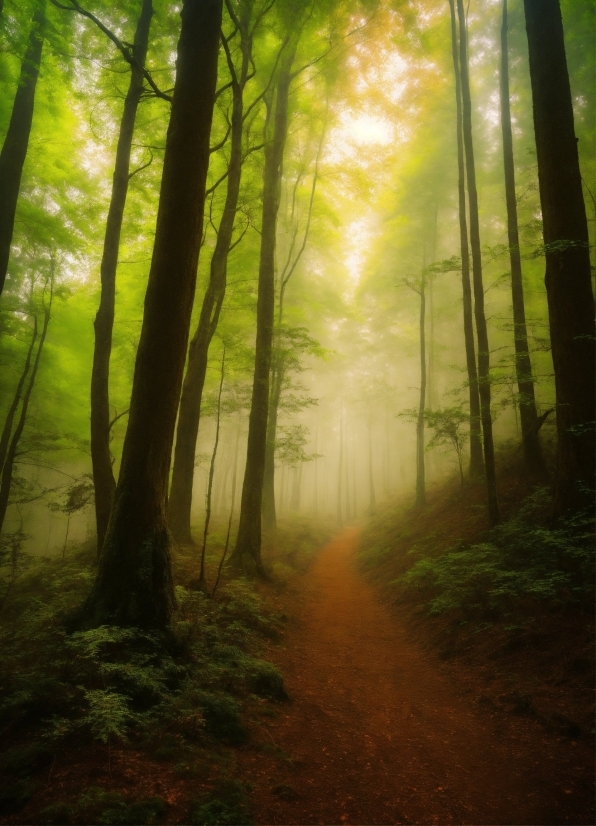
75, 499
448, 427
25, 391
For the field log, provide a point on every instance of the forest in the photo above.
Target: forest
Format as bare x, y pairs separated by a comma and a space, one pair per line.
297, 411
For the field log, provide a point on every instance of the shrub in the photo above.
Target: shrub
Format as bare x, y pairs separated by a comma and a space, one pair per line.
522, 558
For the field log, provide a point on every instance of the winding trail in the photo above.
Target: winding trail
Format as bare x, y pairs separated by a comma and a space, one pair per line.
376, 732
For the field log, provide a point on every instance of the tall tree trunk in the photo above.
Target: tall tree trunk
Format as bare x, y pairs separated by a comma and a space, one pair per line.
14, 149
340, 520
134, 584
269, 513
278, 367
101, 458
316, 472
565, 228
481, 328
16, 399
181, 487
372, 502
420, 469
11, 453
347, 463
248, 540
212, 471
523, 366
231, 516
476, 460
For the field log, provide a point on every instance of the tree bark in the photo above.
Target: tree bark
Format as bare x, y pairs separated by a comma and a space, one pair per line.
420, 469
134, 584
248, 540
101, 458
523, 365
180, 502
565, 229
479, 315
11, 453
16, 142
476, 460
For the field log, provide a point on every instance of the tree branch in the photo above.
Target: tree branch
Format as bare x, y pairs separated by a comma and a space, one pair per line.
124, 48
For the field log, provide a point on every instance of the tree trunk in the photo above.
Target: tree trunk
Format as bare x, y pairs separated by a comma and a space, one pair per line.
371, 482
347, 463
134, 584
420, 469
340, 520
11, 454
277, 371
268, 509
101, 458
7, 429
14, 150
180, 501
476, 460
481, 328
231, 517
523, 366
248, 540
212, 471
565, 228
316, 472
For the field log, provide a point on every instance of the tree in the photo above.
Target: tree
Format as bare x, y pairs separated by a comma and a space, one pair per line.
248, 540
476, 460
179, 507
479, 314
134, 584
101, 457
16, 142
566, 247
523, 366
11, 455
447, 426
283, 358
212, 470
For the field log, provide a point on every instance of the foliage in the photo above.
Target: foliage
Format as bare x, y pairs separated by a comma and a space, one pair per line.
224, 807
117, 685
522, 559
449, 427
104, 807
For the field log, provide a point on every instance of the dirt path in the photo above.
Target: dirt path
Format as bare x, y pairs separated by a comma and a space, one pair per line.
376, 733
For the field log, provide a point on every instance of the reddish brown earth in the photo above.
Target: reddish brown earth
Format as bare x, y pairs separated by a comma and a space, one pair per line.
378, 732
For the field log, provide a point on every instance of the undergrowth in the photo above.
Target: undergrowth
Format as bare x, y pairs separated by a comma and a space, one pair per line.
524, 559
123, 687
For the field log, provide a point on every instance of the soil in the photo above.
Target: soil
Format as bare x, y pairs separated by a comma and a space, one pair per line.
379, 731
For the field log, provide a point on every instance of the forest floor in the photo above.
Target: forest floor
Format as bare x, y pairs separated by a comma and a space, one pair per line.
379, 730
